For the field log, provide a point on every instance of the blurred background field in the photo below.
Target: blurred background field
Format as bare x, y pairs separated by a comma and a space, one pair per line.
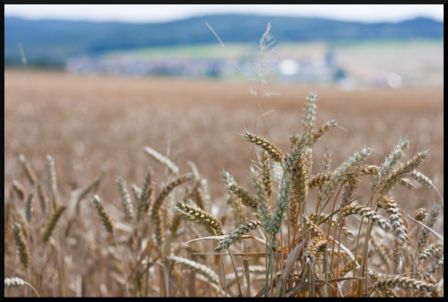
90, 123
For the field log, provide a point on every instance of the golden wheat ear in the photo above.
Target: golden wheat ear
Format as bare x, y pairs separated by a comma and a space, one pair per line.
29, 171
236, 234
125, 198
274, 151
157, 156
52, 223
21, 243
193, 213
105, 218
155, 215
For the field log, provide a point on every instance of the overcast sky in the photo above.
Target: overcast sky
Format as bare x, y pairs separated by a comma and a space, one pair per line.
159, 13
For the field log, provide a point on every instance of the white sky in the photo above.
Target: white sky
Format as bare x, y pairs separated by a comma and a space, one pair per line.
159, 13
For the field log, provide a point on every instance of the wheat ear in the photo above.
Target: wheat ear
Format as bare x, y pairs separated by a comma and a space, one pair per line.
322, 130
425, 181
52, 180
195, 214
92, 187
366, 212
29, 171
144, 200
22, 246
391, 160
52, 223
105, 218
420, 214
388, 182
237, 209
245, 197
162, 160
266, 173
274, 151
29, 207
310, 118
386, 282
430, 222
313, 248
17, 282
42, 196
262, 206
236, 234
395, 217
340, 173
318, 180
432, 249
18, 189
197, 267
155, 216
14, 282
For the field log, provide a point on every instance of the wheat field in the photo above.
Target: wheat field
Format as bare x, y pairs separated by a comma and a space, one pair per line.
173, 187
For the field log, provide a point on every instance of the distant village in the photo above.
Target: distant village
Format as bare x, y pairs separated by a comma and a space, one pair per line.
316, 68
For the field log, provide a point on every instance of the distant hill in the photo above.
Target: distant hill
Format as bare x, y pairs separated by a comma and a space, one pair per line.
52, 41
